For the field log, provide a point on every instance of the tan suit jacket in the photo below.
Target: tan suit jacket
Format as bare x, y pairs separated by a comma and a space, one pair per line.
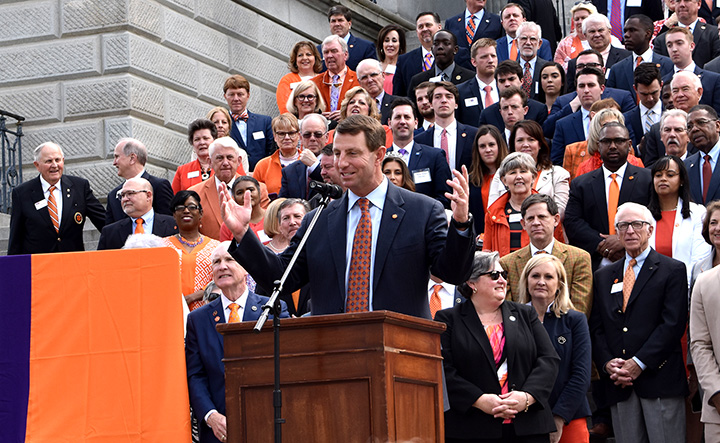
705, 338
577, 266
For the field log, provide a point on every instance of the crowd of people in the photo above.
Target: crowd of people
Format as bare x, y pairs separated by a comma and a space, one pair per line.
552, 199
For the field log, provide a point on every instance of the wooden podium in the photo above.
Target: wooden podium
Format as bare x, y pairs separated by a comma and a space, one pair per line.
368, 377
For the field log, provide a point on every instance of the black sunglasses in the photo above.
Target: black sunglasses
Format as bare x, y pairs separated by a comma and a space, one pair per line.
494, 275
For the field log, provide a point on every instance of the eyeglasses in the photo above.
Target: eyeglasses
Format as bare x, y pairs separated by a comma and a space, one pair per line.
283, 134
373, 76
588, 65
525, 38
699, 122
191, 208
606, 142
129, 193
494, 275
308, 135
636, 225
306, 98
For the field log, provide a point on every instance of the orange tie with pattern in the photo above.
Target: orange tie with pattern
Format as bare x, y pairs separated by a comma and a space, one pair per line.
359, 276
470, 29
139, 226
628, 282
234, 316
613, 197
435, 303
53, 210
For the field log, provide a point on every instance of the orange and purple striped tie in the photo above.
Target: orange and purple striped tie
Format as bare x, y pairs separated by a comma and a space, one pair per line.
427, 62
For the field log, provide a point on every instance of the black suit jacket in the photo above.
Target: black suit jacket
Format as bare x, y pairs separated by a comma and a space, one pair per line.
491, 116
707, 44
385, 111
693, 164
470, 370
358, 50
413, 231
427, 158
651, 8
463, 144
472, 102
710, 84
162, 194
488, 27
459, 75
114, 235
31, 229
544, 14
586, 214
408, 65
535, 86
653, 148
614, 56
651, 328
621, 75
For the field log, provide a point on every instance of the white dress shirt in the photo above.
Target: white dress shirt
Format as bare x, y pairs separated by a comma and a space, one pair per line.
451, 139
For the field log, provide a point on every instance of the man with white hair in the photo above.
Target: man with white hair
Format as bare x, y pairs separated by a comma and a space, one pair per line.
224, 158
296, 177
129, 158
705, 36
49, 211
338, 78
204, 348
673, 133
529, 37
597, 31
371, 77
512, 16
637, 324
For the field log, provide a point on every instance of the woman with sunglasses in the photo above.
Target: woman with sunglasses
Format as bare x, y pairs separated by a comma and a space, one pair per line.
286, 130
543, 284
193, 248
498, 362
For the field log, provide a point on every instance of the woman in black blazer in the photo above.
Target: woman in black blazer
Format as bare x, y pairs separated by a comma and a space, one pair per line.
499, 363
543, 283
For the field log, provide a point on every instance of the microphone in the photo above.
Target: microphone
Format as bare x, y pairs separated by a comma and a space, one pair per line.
326, 189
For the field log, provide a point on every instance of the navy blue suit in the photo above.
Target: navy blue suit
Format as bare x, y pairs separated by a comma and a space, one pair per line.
31, 229
562, 109
463, 146
633, 120
710, 84
568, 130
614, 56
570, 336
204, 352
424, 157
544, 52
114, 235
470, 114
408, 65
294, 181
358, 50
260, 137
586, 215
413, 231
694, 164
622, 74
459, 75
491, 116
162, 194
384, 108
488, 27
707, 43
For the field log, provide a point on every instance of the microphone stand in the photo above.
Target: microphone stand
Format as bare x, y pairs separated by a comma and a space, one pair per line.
274, 305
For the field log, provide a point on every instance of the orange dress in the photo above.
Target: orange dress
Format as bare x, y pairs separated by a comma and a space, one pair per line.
195, 266
284, 89
269, 171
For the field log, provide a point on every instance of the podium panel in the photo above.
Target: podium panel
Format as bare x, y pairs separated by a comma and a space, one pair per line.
373, 376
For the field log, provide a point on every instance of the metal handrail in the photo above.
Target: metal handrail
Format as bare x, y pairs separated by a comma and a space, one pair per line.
11, 172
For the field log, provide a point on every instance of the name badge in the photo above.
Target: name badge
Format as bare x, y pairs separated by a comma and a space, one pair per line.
193, 174
471, 101
514, 218
41, 204
258, 135
617, 287
292, 85
436, 79
421, 176
635, 3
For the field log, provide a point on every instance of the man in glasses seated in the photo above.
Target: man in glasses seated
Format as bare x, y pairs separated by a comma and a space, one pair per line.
595, 196
136, 198
296, 177
539, 219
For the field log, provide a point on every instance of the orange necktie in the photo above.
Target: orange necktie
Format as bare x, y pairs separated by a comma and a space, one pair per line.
234, 316
53, 210
613, 197
435, 303
628, 282
139, 226
513, 50
358, 291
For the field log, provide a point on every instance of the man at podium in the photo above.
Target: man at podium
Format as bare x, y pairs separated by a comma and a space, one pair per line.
372, 249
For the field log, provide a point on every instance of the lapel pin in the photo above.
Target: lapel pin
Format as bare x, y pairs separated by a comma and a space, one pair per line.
78, 218
487, 20
616, 280
254, 308
457, 77
214, 312
632, 177
511, 318
458, 300
352, 46
561, 340
217, 318
459, 19
463, 135
394, 216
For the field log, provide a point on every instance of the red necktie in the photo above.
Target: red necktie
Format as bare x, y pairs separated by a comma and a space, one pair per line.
444, 144
615, 19
707, 176
53, 210
527, 79
435, 303
359, 275
488, 96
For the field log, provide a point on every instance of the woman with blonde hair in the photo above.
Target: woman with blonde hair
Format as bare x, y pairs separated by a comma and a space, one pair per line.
305, 99
543, 284
358, 101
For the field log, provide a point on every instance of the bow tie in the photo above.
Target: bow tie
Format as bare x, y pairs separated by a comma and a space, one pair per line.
243, 117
